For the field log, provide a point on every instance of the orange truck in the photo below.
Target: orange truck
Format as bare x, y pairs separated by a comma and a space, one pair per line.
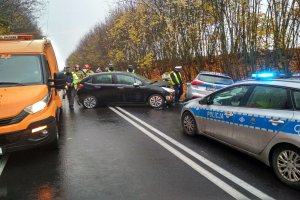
30, 105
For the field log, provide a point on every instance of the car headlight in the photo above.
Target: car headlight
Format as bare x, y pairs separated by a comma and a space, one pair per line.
38, 106
168, 89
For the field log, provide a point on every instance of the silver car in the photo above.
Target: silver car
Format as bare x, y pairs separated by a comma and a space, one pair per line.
260, 118
206, 83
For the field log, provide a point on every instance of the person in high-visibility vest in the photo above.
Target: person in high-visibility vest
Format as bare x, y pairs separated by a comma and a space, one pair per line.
87, 70
80, 74
110, 68
71, 82
130, 69
177, 83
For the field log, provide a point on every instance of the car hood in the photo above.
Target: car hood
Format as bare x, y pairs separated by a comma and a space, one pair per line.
13, 100
162, 83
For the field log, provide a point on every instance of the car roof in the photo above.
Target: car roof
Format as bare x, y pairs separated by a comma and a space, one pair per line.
23, 46
214, 74
292, 83
116, 72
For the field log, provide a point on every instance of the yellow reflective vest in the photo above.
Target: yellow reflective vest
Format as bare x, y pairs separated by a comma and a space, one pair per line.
177, 80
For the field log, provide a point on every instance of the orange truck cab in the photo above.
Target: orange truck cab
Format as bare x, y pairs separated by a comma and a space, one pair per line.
30, 105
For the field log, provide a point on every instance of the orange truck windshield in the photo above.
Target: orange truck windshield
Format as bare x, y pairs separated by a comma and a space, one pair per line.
20, 69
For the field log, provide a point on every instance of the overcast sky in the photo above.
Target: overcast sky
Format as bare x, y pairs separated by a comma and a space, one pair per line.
65, 22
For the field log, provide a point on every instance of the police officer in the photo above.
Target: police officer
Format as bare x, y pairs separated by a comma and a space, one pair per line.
71, 82
177, 83
110, 68
130, 69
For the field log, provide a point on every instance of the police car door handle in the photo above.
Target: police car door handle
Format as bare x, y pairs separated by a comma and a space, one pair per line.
97, 86
120, 87
276, 122
228, 114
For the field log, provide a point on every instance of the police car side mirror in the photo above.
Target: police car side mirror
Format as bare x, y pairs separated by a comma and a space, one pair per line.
59, 81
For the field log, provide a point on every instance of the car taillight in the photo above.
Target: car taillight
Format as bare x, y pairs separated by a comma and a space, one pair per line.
196, 82
80, 86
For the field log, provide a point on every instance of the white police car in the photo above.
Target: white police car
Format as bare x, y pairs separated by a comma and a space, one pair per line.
260, 118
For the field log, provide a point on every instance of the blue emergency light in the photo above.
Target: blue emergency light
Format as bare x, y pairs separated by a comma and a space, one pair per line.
263, 75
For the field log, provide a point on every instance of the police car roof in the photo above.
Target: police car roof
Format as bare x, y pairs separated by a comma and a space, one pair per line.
290, 82
214, 74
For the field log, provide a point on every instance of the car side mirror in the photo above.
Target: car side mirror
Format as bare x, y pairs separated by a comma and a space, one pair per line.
59, 81
136, 85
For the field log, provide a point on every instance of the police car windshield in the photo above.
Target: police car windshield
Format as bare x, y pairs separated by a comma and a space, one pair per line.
20, 70
215, 79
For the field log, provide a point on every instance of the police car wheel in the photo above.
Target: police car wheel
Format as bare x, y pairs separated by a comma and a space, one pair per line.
189, 124
156, 101
90, 102
286, 165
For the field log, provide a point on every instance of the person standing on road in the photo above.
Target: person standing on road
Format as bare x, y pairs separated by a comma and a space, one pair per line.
87, 70
176, 82
110, 68
130, 69
80, 74
98, 70
71, 82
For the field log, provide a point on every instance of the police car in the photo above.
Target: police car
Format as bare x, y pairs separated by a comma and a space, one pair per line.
260, 118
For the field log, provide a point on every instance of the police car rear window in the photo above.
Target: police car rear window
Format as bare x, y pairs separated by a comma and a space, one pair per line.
215, 79
296, 97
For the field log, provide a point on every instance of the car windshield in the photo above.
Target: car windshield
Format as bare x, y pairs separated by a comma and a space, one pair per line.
20, 69
215, 79
143, 79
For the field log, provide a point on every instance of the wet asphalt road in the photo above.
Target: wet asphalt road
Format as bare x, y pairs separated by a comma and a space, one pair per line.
104, 156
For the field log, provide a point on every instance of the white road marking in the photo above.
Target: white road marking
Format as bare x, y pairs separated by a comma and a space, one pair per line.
221, 184
207, 162
3, 161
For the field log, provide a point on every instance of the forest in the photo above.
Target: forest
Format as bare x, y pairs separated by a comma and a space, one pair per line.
20, 17
236, 37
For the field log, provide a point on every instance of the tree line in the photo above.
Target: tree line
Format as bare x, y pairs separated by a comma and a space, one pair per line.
236, 37
19, 16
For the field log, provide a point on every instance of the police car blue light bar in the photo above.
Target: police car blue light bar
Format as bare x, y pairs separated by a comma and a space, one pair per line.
263, 75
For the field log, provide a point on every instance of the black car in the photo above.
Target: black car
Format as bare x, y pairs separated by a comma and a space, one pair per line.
122, 88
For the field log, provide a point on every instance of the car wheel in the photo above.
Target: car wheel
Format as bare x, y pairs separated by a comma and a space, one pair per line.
54, 144
90, 101
188, 123
286, 165
156, 101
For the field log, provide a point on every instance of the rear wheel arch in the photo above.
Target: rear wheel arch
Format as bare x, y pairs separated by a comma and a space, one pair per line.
279, 145
285, 160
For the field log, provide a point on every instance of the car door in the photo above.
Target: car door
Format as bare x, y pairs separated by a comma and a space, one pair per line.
266, 112
221, 110
103, 88
129, 88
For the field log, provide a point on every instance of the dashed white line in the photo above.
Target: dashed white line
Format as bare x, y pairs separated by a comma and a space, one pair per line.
207, 162
221, 184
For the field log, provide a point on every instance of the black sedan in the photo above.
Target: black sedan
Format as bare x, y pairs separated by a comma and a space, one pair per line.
122, 88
